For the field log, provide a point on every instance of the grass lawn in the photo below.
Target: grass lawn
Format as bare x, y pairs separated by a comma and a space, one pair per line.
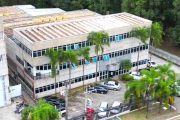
141, 114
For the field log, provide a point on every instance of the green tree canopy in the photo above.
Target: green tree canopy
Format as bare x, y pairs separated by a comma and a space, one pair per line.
126, 64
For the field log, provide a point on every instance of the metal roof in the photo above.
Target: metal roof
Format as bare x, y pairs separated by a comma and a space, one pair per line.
81, 26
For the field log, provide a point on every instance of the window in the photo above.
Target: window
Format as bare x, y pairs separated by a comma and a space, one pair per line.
49, 66
76, 46
87, 43
134, 49
34, 54
41, 67
79, 44
106, 57
125, 35
87, 62
44, 88
99, 57
111, 38
43, 51
52, 86
56, 85
116, 53
112, 55
72, 46
120, 37
48, 87
121, 52
68, 47
117, 37
45, 67
39, 53
129, 50
144, 47
60, 84
36, 90
94, 59
40, 89
141, 47
147, 46
83, 44
55, 48
64, 47
73, 65
37, 67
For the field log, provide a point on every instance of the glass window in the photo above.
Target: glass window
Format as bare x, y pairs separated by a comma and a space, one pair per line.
125, 35
37, 67
116, 53
121, 52
111, 38
40, 89
124, 52
64, 65
52, 86
39, 53
134, 64
144, 47
80, 62
64, 47
137, 48
56, 85
41, 67
141, 47
79, 44
49, 66
36, 90
147, 46
59, 47
48, 87
55, 48
99, 57
60, 84
34, 54
112, 55
45, 67
87, 43
129, 50
72, 46
134, 49
91, 43
43, 51
83, 44
44, 88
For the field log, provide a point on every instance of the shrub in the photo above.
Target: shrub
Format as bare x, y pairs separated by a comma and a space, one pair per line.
108, 79
127, 77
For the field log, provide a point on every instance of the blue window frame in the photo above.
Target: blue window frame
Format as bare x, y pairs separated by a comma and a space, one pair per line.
73, 65
68, 47
106, 57
117, 38
76, 46
94, 59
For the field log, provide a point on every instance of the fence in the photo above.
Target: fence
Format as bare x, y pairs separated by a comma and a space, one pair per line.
165, 55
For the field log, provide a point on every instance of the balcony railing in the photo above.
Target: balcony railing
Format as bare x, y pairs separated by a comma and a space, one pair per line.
39, 75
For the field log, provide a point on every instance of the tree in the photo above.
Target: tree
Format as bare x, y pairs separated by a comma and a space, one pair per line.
149, 81
126, 64
43, 111
84, 52
99, 39
72, 58
53, 56
142, 33
156, 35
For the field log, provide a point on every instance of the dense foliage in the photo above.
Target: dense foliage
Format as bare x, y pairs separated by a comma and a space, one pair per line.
43, 111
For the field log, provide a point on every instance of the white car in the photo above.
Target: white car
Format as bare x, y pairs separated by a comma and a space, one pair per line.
102, 111
151, 64
135, 75
116, 107
113, 85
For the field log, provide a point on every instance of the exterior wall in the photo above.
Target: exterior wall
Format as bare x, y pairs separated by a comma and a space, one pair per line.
3, 64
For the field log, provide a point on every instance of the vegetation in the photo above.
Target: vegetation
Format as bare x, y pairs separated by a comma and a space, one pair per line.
71, 58
99, 39
53, 56
126, 64
127, 77
142, 33
84, 52
43, 111
156, 83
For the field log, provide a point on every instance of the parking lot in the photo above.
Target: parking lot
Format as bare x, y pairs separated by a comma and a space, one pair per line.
79, 106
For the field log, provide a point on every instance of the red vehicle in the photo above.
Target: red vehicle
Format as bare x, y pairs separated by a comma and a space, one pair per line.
89, 113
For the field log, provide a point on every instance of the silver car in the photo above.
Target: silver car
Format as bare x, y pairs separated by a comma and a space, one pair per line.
102, 111
116, 107
113, 85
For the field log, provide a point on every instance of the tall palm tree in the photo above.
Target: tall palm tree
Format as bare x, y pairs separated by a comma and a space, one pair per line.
53, 56
149, 80
84, 52
142, 33
71, 57
100, 40
156, 35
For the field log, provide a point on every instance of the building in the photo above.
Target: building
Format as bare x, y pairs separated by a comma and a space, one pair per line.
28, 37
4, 78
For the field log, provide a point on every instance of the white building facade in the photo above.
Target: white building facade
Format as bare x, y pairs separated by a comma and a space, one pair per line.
4, 79
27, 46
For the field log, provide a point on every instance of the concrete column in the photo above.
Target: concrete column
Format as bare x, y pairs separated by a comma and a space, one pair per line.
34, 71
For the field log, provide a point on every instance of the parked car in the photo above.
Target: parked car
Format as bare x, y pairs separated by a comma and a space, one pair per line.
116, 107
135, 75
151, 64
55, 100
113, 85
102, 111
98, 89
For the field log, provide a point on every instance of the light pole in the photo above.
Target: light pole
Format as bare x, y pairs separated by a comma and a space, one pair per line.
66, 99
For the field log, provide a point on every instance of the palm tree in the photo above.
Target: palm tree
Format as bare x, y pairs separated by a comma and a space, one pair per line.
53, 56
142, 33
72, 58
99, 39
84, 52
156, 35
126, 64
149, 80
